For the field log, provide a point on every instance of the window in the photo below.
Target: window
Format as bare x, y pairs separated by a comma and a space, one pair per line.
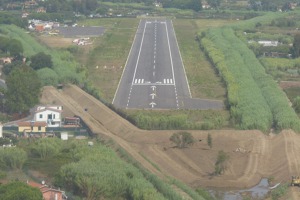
41, 116
39, 128
53, 116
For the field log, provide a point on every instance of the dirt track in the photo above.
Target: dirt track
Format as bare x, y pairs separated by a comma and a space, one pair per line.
253, 155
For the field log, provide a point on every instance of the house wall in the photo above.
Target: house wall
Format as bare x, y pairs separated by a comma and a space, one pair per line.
43, 117
49, 195
1, 133
34, 129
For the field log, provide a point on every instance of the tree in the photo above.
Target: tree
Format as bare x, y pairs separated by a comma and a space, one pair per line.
221, 163
19, 191
40, 60
46, 147
4, 41
209, 140
296, 104
23, 89
182, 139
12, 158
296, 45
15, 48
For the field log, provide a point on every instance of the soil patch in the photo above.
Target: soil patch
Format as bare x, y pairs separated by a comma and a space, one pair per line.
253, 155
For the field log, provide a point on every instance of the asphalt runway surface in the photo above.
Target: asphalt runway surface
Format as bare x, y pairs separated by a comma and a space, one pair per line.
154, 75
79, 31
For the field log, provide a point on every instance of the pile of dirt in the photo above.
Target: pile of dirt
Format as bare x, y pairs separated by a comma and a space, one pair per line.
253, 154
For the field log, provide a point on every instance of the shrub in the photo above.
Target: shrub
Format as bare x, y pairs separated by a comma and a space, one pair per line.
12, 158
296, 104
182, 139
221, 163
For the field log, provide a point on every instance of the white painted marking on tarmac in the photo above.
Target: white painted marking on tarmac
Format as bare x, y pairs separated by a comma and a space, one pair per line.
113, 101
152, 104
153, 87
171, 59
154, 73
171, 80
153, 66
164, 81
152, 95
138, 58
135, 81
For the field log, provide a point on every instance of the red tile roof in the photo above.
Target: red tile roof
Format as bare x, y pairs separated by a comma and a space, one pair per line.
34, 124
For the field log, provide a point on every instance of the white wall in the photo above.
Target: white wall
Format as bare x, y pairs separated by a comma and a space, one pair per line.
1, 133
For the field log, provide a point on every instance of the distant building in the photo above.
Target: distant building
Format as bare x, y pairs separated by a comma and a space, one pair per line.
268, 43
39, 27
6, 60
32, 127
49, 193
41, 10
49, 114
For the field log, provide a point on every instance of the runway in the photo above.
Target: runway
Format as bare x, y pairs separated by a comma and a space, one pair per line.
154, 75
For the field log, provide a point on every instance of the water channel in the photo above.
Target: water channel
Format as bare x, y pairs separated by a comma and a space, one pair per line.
259, 191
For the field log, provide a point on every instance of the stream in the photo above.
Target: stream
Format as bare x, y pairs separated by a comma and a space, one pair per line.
259, 191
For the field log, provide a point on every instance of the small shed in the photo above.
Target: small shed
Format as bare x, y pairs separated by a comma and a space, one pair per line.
64, 136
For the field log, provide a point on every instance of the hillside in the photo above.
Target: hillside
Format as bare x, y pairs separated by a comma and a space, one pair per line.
253, 155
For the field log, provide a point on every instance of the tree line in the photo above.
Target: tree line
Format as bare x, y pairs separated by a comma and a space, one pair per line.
254, 99
32, 67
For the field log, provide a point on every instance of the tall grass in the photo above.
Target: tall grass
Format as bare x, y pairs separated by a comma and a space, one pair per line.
254, 98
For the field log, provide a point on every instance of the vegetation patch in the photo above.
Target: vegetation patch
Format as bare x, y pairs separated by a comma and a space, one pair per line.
254, 98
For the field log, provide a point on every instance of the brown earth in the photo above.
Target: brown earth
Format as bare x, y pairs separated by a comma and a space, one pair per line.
253, 155
289, 84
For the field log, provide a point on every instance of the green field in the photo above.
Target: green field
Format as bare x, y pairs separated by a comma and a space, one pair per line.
202, 77
105, 61
109, 53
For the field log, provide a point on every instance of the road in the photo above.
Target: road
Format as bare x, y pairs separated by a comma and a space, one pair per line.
154, 75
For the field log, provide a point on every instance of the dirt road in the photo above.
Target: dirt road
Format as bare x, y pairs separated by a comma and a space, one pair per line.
253, 155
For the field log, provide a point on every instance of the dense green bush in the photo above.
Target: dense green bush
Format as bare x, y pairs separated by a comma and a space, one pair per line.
296, 104
12, 158
182, 139
254, 98
97, 172
64, 64
46, 147
280, 191
18, 190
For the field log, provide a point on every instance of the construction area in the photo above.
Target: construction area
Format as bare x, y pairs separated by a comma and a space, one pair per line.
253, 155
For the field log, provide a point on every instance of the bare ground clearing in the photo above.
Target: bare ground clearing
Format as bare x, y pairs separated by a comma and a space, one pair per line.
253, 155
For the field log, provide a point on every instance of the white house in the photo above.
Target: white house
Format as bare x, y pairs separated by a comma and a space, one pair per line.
268, 43
49, 114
